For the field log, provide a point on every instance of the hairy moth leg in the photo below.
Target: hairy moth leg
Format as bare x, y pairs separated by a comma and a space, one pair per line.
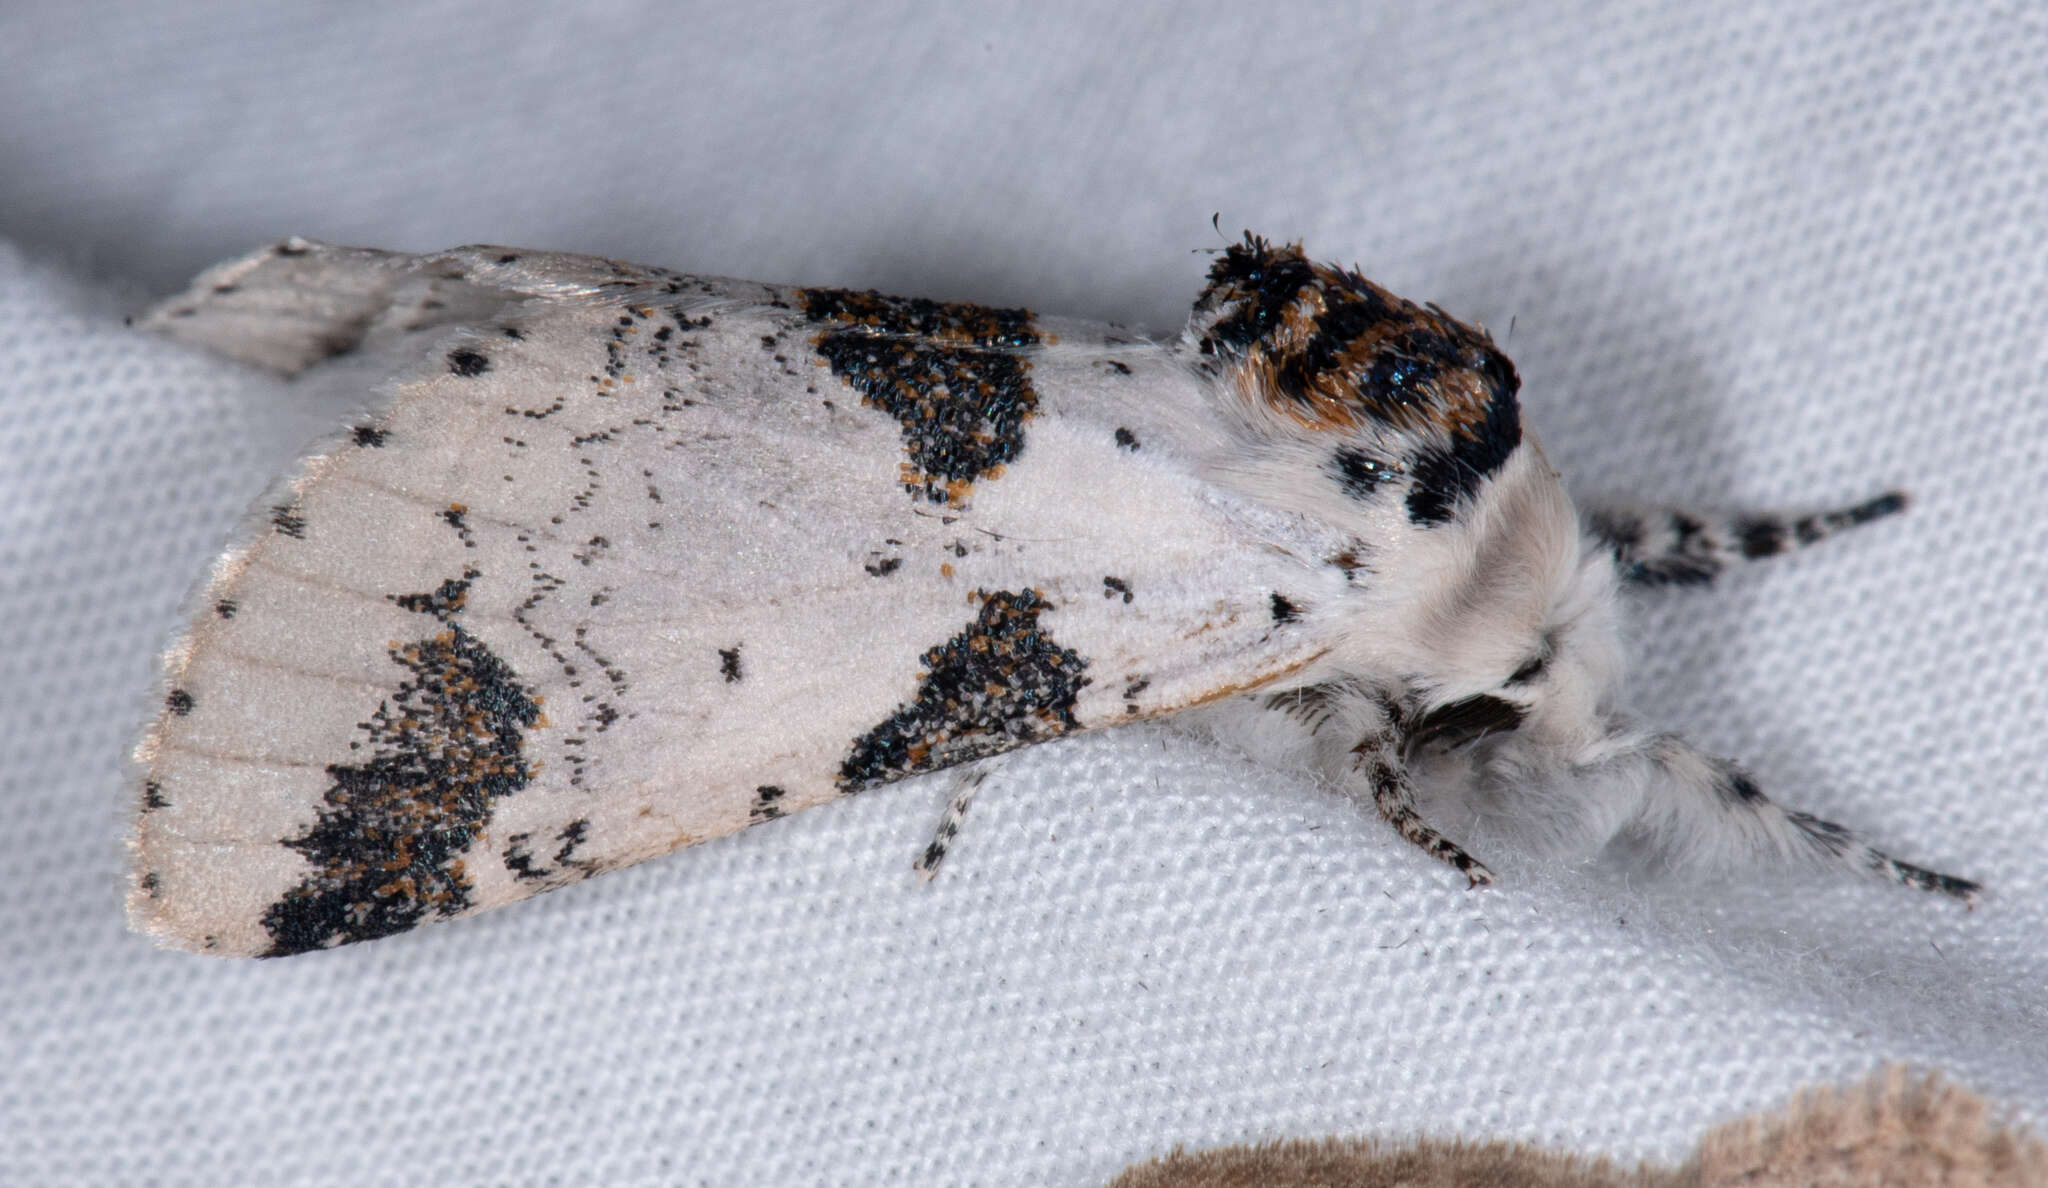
1698, 810
1378, 758
1358, 733
1676, 547
967, 781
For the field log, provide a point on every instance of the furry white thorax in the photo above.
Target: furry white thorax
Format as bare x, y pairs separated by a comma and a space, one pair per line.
1452, 611
1445, 612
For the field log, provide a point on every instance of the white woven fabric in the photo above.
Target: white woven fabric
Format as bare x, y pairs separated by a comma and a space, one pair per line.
1747, 257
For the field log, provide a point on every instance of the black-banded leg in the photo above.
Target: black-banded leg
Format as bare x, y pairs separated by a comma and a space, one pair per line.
1377, 758
966, 782
1674, 547
1704, 811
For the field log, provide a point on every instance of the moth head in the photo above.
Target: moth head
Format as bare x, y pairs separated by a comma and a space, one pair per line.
1504, 621
1547, 678
1511, 716
1525, 721
1517, 720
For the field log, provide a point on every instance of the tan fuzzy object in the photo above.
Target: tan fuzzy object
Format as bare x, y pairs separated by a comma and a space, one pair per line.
1895, 1130
1366, 1163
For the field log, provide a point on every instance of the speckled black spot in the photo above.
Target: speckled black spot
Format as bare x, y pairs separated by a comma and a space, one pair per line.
1113, 586
446, 599
1461, 722
521, 862
1890, 503
179, 702
519, 858
153, 796
1001, 683
467, 363
1127, 439
955, 376
1689, 560
286, 519
1737, 786
1358, 473
884, 567
767, 804
226, 608
370, 436
1119, 368
1687, 529
1475, 452
1619, 529
1439, 484
1349, 562
572, 836
151, 884
1284, 608
386, 846
729, 664
457, 517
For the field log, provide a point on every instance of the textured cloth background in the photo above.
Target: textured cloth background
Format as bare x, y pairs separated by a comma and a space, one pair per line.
1741, 257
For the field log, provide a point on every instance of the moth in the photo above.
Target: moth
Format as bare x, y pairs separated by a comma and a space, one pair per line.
621, 559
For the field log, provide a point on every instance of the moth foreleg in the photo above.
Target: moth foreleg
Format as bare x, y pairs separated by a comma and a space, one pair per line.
1377, 758
1674, 547
1357, 733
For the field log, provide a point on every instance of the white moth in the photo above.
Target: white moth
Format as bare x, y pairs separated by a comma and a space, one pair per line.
622, 559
